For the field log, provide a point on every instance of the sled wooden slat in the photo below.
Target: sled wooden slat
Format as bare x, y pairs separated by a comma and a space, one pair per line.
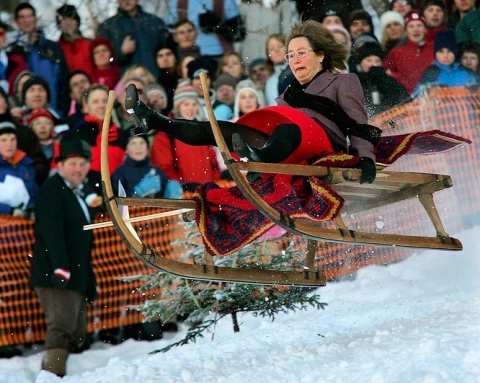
206, 272
311, 230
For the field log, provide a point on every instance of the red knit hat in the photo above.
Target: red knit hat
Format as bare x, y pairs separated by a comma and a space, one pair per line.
102, 41
414, 16
39, 112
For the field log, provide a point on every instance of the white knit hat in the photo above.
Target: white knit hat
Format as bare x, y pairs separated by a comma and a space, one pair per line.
241, 87
388, 17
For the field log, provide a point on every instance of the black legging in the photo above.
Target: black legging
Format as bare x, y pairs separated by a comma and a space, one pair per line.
273, 149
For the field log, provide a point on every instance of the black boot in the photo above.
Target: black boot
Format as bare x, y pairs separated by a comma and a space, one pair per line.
243, 150
140, 112
246, 153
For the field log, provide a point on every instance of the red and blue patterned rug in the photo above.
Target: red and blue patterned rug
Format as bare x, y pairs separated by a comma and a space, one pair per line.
228, 221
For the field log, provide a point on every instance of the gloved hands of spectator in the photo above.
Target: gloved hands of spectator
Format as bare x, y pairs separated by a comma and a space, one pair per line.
173, 190
369, 170
149, 186
18, 212
60, 278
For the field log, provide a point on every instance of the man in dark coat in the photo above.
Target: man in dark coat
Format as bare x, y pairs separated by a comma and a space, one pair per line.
61, 272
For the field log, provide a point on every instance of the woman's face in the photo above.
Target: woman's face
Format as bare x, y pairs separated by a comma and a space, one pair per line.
8, 145
188, 109
470, 60
276, 51
416, 31
233, 66
97, 103
36, 97
102, 57
305, 68
247, 101
394, 30
402, 6
166, 58
43, 128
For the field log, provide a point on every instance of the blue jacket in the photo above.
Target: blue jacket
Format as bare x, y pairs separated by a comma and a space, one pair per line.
446, 75
46, 59
131, 174
22, 170
148, 30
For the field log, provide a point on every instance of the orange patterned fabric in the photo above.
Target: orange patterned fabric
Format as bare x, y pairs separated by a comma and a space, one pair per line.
453, 110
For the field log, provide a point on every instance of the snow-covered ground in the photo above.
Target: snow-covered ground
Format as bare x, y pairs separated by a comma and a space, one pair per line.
416, 321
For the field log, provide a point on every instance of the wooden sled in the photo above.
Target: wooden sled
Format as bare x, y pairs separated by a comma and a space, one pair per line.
388, 188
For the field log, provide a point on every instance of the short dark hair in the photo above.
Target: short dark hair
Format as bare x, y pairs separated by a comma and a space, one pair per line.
20, 7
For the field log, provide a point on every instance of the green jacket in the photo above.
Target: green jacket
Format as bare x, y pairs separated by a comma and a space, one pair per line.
469, 27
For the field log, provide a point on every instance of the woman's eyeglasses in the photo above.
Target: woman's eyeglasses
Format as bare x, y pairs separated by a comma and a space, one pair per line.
301, 53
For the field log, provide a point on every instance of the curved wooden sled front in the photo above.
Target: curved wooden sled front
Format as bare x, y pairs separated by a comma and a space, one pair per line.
207, 271
397, 186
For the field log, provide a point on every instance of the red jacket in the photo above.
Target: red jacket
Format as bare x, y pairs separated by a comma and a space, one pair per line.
182, 162
77, 54
408, 62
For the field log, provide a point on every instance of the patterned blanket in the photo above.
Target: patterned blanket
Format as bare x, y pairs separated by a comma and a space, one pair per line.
228, 221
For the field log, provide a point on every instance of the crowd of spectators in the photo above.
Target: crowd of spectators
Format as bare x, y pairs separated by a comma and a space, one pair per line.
56, 91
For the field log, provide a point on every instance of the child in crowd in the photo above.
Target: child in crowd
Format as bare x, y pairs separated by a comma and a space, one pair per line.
191, 165
139, 177
446, 71
41, 122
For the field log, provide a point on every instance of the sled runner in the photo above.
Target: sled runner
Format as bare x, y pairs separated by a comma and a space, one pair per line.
388, 188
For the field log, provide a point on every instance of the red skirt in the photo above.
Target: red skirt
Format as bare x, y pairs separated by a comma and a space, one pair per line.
314, 139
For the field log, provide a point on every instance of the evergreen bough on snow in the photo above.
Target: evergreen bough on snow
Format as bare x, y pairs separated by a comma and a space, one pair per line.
202, 303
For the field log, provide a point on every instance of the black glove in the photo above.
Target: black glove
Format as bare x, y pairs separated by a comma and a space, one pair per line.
369, 170
60, 278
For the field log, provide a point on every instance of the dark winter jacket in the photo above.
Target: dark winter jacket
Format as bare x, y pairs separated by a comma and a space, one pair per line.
148, 30
381, 91
132, 172
60, 241
46, 59
21, 168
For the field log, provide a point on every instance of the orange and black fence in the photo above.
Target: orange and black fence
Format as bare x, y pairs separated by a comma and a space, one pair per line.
455, 110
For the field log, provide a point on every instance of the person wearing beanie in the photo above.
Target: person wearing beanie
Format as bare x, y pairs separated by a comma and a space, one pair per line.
18, 189
406, 63
41, 122
105, 70
404, 7
353, 60
224, 88
190, 165
27, 141
157, 98
341, 35
330, 17
435, 17
392, 26
168, 76
380, 91
75, 47
247, 99
139, 177
359, 22
446, 71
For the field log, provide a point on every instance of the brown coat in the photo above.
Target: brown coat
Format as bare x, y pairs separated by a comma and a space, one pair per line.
347, 92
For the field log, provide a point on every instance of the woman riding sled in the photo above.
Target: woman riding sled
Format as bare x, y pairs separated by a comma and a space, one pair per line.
331, 102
